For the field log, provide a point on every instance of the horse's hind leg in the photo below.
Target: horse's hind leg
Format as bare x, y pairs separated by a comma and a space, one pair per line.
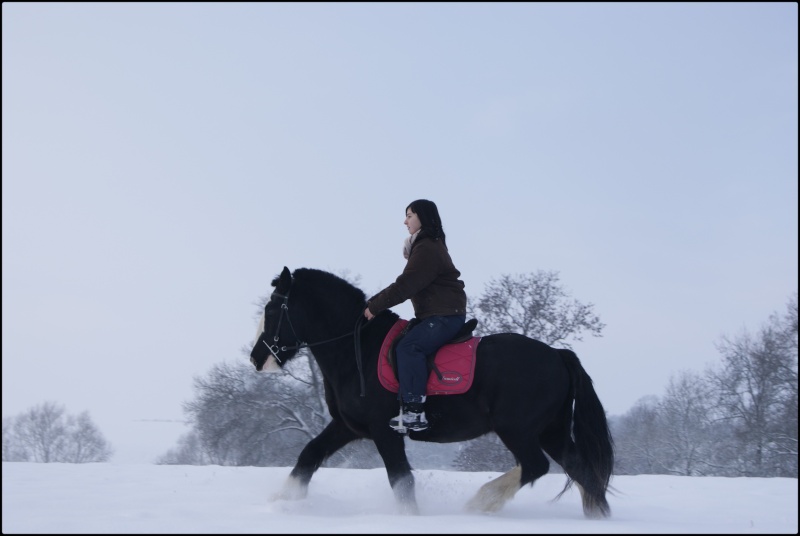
532, 464
493, 495
332, 438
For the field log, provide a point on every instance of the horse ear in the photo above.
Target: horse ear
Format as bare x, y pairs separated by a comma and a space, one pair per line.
285, 280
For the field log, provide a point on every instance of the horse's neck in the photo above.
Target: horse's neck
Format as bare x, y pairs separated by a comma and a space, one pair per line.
326, 351
338, 360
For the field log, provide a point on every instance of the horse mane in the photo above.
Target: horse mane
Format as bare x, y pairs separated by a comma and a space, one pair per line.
332, 292
326, 282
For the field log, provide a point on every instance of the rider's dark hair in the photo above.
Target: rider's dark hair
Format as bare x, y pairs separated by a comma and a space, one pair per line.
429, 219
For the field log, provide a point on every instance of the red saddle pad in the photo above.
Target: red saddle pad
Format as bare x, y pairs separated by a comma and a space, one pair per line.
456, 362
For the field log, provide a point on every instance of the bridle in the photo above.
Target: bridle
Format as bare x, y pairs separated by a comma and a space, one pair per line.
275, 349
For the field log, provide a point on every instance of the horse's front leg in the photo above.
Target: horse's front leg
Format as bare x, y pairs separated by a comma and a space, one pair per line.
393, 451
332, 438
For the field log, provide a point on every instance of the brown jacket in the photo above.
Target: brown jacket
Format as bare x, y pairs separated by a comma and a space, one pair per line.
429, 279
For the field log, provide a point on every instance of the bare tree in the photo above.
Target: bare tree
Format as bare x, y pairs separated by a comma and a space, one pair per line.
234, 416
85, 443
41, 432
636, 439
189, 451
13, 450
738, 419
535, 305
685, 417
45, 433
756, 389
785, 437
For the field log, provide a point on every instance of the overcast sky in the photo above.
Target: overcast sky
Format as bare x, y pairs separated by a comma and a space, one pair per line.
163, 162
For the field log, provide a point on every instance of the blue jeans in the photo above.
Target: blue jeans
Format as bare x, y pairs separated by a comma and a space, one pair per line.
422, 340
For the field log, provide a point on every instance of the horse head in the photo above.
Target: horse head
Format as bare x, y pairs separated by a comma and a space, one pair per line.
308, 308
276, 340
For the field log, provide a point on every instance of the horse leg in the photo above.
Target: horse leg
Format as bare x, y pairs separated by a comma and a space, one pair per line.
393, 451
493, 495
332, 438
532, 464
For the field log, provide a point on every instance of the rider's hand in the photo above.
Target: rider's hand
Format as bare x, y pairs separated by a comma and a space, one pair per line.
368, 314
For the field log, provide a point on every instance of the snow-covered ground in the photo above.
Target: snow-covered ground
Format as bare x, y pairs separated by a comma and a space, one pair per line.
144, 498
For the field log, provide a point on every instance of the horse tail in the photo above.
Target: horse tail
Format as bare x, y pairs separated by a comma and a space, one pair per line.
592, 437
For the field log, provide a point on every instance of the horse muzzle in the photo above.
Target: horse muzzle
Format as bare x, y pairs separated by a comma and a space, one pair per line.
271, 365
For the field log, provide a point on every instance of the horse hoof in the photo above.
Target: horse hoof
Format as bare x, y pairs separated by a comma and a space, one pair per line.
492, 496
293, 490
409, 509
484, 505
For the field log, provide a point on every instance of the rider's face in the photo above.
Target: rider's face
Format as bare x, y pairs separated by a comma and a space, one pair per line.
412, 222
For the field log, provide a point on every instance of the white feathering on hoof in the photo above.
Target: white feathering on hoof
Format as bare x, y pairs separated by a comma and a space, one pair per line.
493, 495
405, 497
293, 490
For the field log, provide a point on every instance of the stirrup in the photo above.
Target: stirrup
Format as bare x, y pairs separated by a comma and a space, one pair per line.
405, 421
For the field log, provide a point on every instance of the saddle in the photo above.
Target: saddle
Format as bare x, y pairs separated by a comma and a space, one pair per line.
464, 334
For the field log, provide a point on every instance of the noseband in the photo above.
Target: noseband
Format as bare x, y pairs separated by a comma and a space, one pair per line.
275, 349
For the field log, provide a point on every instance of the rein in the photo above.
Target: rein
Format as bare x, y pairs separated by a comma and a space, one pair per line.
275, 349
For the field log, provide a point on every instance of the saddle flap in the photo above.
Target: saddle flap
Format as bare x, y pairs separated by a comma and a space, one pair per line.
464, 334
451, 370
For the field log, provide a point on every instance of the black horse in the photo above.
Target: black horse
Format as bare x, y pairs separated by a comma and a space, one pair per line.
534, 397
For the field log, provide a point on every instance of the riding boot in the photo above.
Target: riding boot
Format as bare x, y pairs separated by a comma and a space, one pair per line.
411, 417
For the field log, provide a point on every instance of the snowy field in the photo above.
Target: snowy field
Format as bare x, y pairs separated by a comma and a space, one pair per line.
119, 498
